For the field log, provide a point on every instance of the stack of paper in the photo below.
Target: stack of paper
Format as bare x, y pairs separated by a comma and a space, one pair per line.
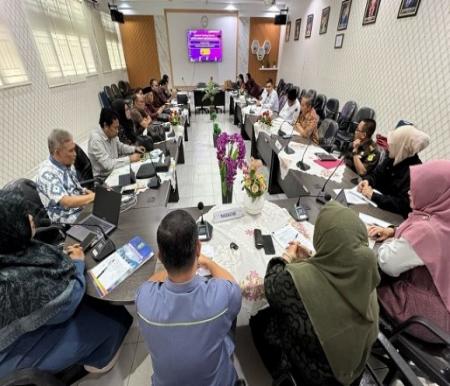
287, 234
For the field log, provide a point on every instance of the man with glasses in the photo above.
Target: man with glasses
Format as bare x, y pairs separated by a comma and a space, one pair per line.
269, 98
364, 154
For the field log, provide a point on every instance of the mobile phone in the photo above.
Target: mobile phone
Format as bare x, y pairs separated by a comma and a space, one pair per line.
269, 249
258, 238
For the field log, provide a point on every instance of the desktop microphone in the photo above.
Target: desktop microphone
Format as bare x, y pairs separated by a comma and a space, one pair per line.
103, 247
282, 134
321, 198
155, 181
299, 212
204, 227
300, 164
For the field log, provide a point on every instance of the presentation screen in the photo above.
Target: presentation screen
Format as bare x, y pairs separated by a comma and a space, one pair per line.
204, 45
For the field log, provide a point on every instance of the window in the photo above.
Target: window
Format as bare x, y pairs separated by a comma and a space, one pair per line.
60, 30
113, 43
12, 71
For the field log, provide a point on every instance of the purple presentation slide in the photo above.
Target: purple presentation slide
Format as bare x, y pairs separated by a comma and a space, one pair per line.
204, 45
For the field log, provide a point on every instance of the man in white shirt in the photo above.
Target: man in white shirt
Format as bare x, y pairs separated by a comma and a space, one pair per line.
269, 98
291, 109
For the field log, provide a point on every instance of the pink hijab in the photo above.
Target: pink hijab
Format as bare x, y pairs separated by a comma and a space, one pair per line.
427, 228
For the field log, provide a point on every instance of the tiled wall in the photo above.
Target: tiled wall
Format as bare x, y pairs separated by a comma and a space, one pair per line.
243, 44
30, 112
399, 67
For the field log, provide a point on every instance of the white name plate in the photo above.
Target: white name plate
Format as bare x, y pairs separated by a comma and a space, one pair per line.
227, 214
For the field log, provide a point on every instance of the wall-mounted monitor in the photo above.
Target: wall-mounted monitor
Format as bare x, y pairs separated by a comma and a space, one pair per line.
204, 45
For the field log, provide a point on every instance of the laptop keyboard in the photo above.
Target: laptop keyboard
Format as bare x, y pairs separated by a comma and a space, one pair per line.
93, 221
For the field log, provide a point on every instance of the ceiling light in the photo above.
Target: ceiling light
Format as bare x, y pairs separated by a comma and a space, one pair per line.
274, 8
231, 7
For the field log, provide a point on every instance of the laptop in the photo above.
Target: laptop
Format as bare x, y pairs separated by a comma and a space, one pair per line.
105, 215
341, 198
325, 157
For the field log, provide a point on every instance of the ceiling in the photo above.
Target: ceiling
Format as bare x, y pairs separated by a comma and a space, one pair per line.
266, 8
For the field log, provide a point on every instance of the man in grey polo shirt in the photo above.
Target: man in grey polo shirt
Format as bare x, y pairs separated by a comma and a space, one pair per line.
105, 150
184, 318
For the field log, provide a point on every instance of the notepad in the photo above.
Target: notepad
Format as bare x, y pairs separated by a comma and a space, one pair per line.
370, 220
208, 251
288, 233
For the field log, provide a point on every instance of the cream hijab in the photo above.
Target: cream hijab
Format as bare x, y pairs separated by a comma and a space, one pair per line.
405, 142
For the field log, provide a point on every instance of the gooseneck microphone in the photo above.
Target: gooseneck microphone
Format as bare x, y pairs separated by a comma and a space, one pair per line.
300, 164
204, 228
282, 134
299, 212
321, 197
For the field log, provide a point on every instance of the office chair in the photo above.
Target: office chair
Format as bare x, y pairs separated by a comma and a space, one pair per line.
319, 105
219, 100
124, 88
327, 134
331, 109
109, 93
198, 101
104, 101
116, 92
312, 94
83, 167
280, 87
344, 138
201, 85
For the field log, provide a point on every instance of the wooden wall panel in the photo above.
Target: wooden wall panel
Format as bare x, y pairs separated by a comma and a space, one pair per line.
262, 28
140, 49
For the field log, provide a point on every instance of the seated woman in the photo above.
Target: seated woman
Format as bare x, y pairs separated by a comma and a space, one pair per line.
253, 89
240, 83
391, 177
46, 322
127, 134
323, 314
417, 254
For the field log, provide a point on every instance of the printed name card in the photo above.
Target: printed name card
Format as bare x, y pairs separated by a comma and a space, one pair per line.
227, 214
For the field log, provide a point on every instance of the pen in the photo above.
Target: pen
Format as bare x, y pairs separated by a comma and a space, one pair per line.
104, 269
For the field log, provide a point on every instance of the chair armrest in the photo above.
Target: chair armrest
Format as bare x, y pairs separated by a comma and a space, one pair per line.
429, 325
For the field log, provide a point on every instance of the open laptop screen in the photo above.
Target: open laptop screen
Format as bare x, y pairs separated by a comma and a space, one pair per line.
107, 205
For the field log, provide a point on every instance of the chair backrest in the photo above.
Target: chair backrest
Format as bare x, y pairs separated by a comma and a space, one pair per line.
327, 131
219, 98
32, 377
123, 88
104, 101
182, 99
109, 93
282, 101
302, 94
34, 203
201, 85
297, 91
331, 109
280, 86
348, 111
198, 96
319, 104
312, 94
364, 113
116, 92
83, 167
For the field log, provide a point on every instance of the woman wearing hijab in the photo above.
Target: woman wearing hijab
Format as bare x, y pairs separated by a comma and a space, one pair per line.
417, 254
127, 132
391, 177
45, 321
323, 314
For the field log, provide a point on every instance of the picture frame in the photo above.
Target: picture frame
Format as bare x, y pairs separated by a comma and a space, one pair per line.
344, 15
298, 24
324, 20
408, 8
288, 31
309, 25
371, 12
339, 41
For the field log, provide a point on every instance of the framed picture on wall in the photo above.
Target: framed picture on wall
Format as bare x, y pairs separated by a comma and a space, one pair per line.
324, 20
298, 23
344, 15
371, 12
288, 31
309, 24
408, 8
338, 41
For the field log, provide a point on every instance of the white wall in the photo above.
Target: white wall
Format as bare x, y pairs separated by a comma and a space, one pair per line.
29, 113
186, 73
399, 67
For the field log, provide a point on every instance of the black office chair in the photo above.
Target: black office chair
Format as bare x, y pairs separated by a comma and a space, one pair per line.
327, 134
219, 101
109, 94
198, 101
302, 94
124, 90
182, 99
104, 101
319, 105
331, 109
83, 167
116, 92
312, 94
282, 101
280, 87
201, 85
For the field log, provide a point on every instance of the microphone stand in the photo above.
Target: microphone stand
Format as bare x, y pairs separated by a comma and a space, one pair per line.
321, 196
281, 133
204, 228
300, 164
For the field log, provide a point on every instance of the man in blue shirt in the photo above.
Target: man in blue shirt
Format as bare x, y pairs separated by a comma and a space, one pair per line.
57, 182
186, 319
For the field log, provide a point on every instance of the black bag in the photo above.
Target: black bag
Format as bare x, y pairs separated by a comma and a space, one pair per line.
156, 132
146, 141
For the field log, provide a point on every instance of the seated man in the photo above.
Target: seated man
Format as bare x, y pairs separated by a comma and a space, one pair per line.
57, 182
269, 98
307, 122
364, 155
157, 101
291, 109
186, 319
105, 150
139, 103
155, 113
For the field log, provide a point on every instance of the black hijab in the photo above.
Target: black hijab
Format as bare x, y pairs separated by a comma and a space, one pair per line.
126, 130
36, 279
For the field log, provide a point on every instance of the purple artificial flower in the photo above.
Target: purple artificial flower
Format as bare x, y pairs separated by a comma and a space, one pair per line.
231, 156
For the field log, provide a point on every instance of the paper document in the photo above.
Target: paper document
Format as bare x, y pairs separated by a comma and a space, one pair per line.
208, 251
287, 234
370, 220
356, 198
112, 271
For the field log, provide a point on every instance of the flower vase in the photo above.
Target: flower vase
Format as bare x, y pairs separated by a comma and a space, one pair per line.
254, 205
227, 193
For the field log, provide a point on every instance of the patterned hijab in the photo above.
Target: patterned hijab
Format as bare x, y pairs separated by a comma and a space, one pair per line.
405, 142
338, 288
427, 228
36, 280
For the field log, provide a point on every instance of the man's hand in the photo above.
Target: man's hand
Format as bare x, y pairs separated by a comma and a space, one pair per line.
367, 192
379, 233
75, 252
135, 157
203, 261
140, 149
362, 185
